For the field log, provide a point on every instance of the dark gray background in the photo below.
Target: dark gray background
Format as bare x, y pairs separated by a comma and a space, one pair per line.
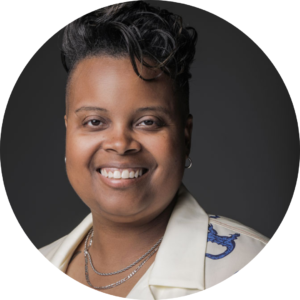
245, 146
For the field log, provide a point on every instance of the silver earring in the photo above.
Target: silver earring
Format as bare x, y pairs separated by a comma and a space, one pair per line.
190, 165
65, 159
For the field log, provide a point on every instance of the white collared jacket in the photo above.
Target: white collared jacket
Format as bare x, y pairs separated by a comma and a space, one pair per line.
197, 251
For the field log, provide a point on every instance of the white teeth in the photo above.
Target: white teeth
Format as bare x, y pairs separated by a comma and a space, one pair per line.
118, 174
125, 174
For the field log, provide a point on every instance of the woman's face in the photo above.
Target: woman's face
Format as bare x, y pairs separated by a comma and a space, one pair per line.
119, 125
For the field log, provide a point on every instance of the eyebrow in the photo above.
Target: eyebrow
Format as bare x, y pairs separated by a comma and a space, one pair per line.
89, 108
142, 109
154, 108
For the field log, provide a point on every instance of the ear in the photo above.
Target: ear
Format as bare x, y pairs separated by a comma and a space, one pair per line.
66, 120
188, 134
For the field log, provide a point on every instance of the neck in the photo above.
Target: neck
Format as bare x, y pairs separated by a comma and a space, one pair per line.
120, 242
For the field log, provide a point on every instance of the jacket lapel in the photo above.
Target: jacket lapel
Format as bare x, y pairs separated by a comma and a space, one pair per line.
178, 269
69, 244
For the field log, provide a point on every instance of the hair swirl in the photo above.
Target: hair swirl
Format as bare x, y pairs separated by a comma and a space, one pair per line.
155, 37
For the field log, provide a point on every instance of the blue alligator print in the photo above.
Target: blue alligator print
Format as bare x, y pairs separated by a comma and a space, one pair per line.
214, 217
226, 241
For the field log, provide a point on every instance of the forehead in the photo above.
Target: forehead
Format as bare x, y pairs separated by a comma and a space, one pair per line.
112, 82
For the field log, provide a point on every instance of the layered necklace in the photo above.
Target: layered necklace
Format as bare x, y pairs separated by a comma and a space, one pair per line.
88, 258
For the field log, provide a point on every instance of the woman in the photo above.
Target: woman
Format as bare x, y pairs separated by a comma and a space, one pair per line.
128, 136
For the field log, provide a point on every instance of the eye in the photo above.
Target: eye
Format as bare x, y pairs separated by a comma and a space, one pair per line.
150, 123
94, 122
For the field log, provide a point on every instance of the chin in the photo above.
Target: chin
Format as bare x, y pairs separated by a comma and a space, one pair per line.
123, 207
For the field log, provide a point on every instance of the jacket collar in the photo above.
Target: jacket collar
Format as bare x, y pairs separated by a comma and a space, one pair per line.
63, 254
181, 257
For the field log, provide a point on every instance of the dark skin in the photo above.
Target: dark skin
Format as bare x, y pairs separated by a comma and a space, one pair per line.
117, 121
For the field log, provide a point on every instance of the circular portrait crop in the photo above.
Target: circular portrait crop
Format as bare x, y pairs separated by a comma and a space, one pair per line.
161, 150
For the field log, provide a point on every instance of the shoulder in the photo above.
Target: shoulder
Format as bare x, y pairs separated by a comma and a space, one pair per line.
230, 246
49, 250
60, 251
231, 226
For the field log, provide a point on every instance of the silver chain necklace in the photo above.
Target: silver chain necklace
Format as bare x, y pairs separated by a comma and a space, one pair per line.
87, 257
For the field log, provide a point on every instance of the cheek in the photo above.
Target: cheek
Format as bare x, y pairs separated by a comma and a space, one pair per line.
80, 147
79, 152
77, 149
168, 151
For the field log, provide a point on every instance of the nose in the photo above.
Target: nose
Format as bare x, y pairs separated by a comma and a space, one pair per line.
120, 140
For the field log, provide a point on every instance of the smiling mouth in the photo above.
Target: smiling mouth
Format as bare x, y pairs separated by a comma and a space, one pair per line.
130, 173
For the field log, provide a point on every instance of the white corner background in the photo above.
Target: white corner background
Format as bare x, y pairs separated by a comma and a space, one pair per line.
27, 25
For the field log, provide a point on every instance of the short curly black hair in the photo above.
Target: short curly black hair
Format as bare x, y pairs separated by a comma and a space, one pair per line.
155, 37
